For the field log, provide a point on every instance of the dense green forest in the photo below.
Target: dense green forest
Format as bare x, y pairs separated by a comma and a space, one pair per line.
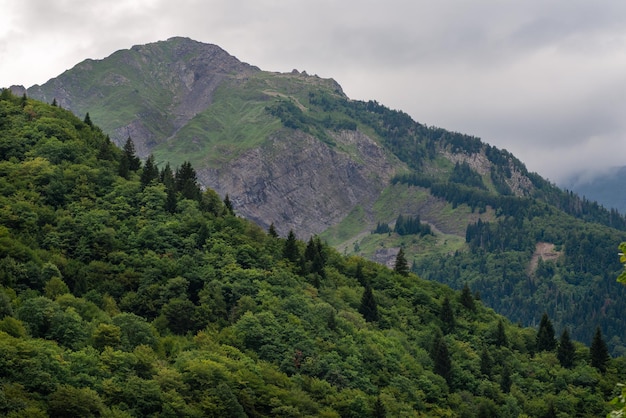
126, 290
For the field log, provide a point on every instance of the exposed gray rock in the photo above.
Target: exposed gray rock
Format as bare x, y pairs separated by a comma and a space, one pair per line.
309, 187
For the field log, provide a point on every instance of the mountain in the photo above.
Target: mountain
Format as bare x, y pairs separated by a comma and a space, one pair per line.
293, 151
128, 291
604, 188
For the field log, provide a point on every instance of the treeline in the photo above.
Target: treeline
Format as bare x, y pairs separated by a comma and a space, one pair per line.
477, 199
405, 225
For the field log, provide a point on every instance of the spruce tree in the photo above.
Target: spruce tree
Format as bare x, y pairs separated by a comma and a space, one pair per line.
134, 163
379, 410
466, 299
228, 205
150, 172
441, 357
167, 177
401, 266
566, 351
359, 275
129, 162
500, 339
291, 251
599, 352
87, 119
486, 362
505, 379
187, 182
446, 315
368, 307
271, 231
545, 336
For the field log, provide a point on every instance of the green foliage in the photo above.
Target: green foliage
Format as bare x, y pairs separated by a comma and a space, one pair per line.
598, 352
368, 307
401, 265
567, 351
545, 336
115, 302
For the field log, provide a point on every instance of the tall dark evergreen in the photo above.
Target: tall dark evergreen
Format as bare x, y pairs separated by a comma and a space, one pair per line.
486, 362
566, 351
167, 177
500, 338
599, 352
466, 299
187, 182
291, 251
368, 307
379, 410
401, 265
228, 205
271, 231
87, 119
446, 315
150, 171
545, 336
129, 162
505, 379
441, 357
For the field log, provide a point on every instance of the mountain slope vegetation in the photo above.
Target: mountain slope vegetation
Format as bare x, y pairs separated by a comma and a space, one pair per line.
126, 290
294, 151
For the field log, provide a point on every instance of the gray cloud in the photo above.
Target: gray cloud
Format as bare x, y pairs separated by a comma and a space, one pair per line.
544, 80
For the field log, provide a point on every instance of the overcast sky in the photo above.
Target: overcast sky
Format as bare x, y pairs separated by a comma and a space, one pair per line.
545, 80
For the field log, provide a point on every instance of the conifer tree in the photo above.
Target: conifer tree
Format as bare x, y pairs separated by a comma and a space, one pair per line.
379, 409
466, 299
505, 379
187, 182
87, 119
359, 275
545, 336
500, 339
171, 200
486, 362
368, 307
441, 357
129, 162
566, 351
599, 352
401, 266
447, 316
167, 177
150, 172
228, 205
271, 231
291, 251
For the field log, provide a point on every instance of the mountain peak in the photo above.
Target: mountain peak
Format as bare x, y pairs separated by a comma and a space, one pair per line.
169, 82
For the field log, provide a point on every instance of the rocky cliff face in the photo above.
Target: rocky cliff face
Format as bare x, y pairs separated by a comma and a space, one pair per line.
298, 182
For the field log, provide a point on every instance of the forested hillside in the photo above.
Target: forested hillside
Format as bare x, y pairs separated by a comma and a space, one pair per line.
291, 149
126, 290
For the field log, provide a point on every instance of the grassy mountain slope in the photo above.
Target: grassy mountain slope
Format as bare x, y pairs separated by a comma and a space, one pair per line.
293, 150
140, 295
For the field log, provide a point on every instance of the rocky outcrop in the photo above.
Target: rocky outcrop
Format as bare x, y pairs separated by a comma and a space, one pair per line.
298, 182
